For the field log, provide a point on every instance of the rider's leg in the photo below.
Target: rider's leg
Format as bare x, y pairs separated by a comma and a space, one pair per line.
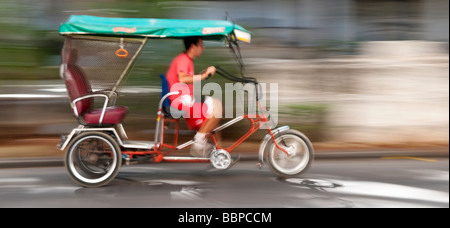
213, 118
212, 121
207, 128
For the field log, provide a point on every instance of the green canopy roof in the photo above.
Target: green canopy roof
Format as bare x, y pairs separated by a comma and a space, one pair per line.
151, 27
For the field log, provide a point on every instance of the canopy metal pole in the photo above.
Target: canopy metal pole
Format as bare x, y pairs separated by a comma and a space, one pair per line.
128, 66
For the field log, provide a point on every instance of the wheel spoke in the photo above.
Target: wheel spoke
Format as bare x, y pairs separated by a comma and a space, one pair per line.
93, 159
297, 159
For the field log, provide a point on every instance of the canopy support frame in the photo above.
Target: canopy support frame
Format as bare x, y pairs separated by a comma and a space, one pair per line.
130, 63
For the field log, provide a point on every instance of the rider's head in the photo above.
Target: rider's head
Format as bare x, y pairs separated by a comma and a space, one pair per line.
194, 46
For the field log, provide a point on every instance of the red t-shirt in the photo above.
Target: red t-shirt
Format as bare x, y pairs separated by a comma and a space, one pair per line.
181, 63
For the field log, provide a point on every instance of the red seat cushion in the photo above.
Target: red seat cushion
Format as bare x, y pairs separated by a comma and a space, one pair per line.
113, 115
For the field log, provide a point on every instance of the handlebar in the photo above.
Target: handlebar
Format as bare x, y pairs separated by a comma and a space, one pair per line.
231, 77
220, 71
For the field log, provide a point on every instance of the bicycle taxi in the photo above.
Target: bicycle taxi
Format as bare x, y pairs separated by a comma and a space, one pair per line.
98, 54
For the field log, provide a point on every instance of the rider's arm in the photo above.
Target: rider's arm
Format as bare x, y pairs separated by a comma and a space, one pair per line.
188, 79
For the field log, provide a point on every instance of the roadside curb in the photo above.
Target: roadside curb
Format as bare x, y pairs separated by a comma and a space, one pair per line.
7, 163
59, 161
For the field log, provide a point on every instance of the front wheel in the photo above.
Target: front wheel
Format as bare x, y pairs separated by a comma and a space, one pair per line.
299, 157
93, 159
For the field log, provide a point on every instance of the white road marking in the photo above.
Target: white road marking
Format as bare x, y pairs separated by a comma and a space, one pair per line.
431, 174
21, 96
386, 190
372, 189
18, 180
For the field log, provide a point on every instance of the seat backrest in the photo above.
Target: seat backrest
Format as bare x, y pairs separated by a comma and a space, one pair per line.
167, 109
76, 82
164, 90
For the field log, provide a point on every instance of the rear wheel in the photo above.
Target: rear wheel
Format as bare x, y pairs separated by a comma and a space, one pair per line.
93, 159
299, 157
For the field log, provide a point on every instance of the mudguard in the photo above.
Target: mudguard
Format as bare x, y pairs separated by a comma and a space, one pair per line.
65, 140
266, 140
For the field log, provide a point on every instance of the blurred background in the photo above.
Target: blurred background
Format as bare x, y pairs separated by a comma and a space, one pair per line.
351, 73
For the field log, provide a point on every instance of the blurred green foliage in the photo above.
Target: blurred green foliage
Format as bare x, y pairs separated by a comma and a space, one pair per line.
30, 45
304, 109
310, 119
338, 47
30, 49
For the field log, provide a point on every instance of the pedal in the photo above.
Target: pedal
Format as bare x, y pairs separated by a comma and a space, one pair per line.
222, 160
234, 160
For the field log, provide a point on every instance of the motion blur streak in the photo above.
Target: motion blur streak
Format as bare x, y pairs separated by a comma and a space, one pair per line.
351, 73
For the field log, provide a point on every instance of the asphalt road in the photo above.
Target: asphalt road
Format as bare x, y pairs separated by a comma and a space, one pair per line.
385, 182
349, 179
